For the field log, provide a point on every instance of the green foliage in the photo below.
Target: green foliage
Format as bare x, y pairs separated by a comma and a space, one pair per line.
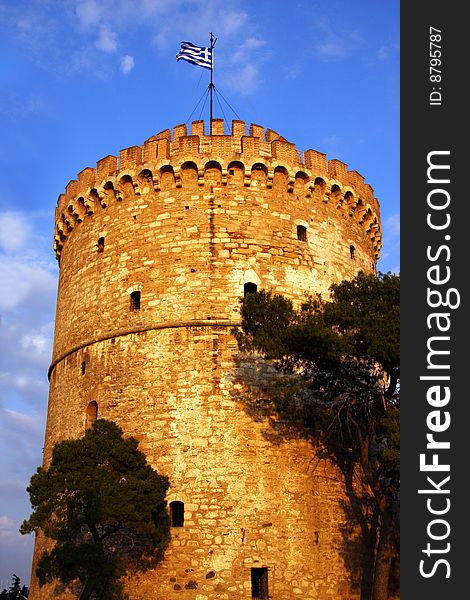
345, 358
98, 499
367, 311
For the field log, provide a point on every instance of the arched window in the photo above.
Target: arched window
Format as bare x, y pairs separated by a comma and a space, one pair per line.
135, 301
101, 244
189, 174
167, 178
301, 233
91, 414
249, 288
352, 252
177, 513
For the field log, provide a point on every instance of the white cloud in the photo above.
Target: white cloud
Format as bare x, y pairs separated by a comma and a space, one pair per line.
335, 42
127, 64
23, 281
67, 36
6, 524
231, 22
36, 343
107, 40
23, 423
392, 225
89, 12
15, 549
243, 65
14, 231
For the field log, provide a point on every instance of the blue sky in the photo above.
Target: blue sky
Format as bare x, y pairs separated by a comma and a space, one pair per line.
81, 79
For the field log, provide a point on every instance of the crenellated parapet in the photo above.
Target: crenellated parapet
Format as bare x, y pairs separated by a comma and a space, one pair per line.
181, 159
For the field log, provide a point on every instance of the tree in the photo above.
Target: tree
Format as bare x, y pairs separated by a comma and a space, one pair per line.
345, 357
15, 590
104, 507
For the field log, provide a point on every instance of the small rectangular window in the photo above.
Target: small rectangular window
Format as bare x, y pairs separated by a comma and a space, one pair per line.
135, 301
177, 513
301, 233
259, 583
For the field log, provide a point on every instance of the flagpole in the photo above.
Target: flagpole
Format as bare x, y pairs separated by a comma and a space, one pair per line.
211, 85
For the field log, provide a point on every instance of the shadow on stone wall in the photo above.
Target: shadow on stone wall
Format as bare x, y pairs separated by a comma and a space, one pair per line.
256, 386
139, 554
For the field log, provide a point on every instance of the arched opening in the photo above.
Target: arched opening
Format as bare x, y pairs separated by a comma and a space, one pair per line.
259, 174
135, 301
235, 172
336, 195
300, 183
189, 174
213, 174
349, 199
301, 233
280, 179
91, 414
352, 252
177, 513
167, 178
126, 186
101, 244
146, 180
320, 189
250, 288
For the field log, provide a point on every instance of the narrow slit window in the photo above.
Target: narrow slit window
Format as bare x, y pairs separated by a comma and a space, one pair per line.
301, 233
91, 414
177, 513
249, 288
352, 251
83, 367
135, 301
101, 244
259, 583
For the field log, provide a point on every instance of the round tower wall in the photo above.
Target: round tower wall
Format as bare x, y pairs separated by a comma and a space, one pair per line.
186, 221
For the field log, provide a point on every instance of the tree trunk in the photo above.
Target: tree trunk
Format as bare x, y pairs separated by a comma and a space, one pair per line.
87, 591
383, 559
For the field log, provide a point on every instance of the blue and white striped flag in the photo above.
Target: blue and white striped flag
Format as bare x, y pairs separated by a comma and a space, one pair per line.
202, 57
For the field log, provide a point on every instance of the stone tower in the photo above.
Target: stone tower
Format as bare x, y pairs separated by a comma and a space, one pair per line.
156, 248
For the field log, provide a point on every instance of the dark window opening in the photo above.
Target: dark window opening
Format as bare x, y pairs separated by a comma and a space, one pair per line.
177, 513
135, 301
259, 583
83, 367
352, 251
101, 244
309, 421
250, 288
91, 414
231, 171
301, 233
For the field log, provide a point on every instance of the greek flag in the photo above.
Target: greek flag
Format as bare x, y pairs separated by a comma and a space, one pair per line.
202, 57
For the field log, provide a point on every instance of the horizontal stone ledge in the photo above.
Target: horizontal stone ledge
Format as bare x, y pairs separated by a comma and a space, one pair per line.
142, 329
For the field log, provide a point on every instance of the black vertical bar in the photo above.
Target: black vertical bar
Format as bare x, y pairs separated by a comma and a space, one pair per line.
435, 419
211, 85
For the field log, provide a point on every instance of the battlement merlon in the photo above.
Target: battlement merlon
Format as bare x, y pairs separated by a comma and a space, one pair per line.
180, 145
168, 149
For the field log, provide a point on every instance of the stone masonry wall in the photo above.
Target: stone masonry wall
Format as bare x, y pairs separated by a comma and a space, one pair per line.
187, 221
